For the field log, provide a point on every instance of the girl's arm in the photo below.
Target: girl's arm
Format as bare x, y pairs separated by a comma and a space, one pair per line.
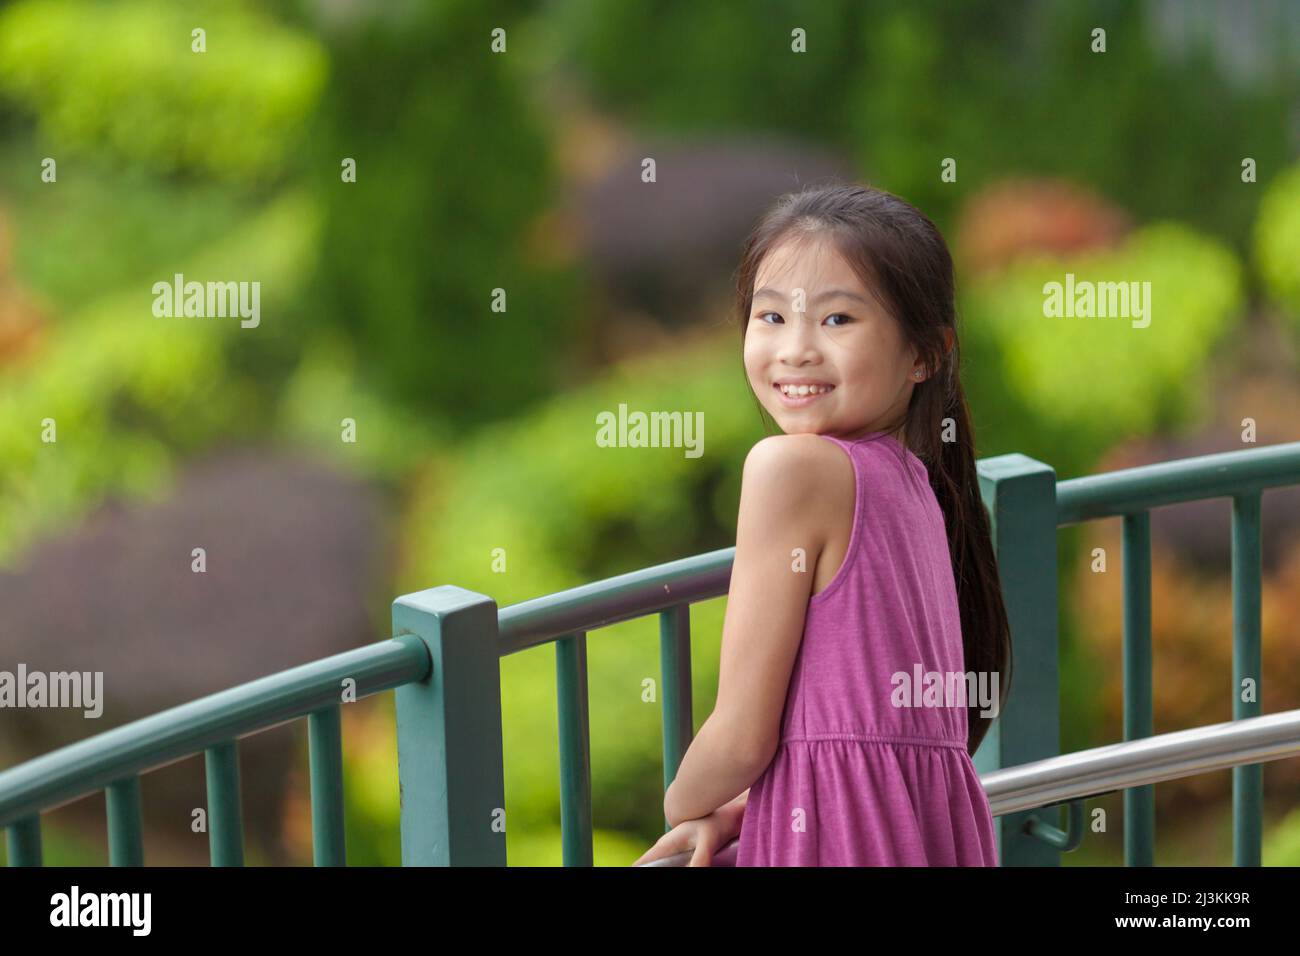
790, 489
733, 814
737, 807
710, 773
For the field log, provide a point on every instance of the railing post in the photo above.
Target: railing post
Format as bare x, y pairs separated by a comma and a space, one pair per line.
573, 718
125, 827
24, 841
225, 808
1020, 494
1247, 664
450, 766
1139, 705
325, 750
675, 672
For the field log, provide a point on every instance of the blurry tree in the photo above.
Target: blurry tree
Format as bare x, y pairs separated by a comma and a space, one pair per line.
1066, 388
1277, 244
1003, 88
707, 66
126, 393
124, 78
453, 178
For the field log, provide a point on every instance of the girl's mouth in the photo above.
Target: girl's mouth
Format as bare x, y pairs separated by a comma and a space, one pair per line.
791, 396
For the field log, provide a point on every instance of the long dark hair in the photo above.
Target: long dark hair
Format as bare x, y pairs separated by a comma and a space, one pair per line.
900, 254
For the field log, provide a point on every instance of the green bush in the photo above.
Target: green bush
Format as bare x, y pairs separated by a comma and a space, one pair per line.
122, 77
453, 174
102, 226
1086, 383
131, 393
714, 69
1277, 242
1003, 88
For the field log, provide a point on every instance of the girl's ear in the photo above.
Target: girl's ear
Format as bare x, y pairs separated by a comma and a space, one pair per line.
916, 364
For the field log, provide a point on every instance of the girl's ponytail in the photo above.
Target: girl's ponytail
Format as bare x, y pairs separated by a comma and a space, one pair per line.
986, 633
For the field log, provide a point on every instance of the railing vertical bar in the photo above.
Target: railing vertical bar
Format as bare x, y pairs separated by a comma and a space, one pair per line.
575, 749
23, 840
1247, 665
325, 746
225, 819
675, 672
125, 826
1139, 802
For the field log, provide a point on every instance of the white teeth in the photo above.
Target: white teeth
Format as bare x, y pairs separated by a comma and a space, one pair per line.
799, 391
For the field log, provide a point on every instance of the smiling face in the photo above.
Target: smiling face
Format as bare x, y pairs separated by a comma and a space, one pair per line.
844, 356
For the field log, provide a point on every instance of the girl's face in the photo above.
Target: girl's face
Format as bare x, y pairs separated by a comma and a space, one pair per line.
843, 340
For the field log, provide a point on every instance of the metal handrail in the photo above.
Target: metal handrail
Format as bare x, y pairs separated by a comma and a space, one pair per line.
70, 773
1102, 770
613, 600
1134, 763
1220, 475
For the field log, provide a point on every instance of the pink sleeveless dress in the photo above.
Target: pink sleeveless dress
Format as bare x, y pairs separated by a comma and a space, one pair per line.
857, 780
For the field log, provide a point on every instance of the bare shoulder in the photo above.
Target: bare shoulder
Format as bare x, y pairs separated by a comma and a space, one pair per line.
812, 477
781, 453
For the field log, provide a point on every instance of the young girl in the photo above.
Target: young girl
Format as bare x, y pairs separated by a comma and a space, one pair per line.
822, 750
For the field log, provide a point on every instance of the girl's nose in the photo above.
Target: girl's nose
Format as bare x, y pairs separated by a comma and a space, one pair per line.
797, 347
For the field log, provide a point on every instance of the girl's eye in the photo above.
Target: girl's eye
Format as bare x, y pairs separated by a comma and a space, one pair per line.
762, 317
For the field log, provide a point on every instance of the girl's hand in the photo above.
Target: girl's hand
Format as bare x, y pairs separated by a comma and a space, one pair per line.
706, 836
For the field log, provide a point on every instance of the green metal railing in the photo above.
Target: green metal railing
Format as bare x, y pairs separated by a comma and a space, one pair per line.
114, 760
444, 665
1027, 506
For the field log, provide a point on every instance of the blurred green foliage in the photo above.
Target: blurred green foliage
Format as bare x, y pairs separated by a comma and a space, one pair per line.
132, 395
123, 77
1004, 88
1143, 128
392, 441
712, 69
1277, 242
453, 171
1079, 385
106, 226
1282, 846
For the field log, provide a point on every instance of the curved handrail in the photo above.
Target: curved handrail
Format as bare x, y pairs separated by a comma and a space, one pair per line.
1223, 474
1133, 763
1100, 770
79, 769
621, 598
